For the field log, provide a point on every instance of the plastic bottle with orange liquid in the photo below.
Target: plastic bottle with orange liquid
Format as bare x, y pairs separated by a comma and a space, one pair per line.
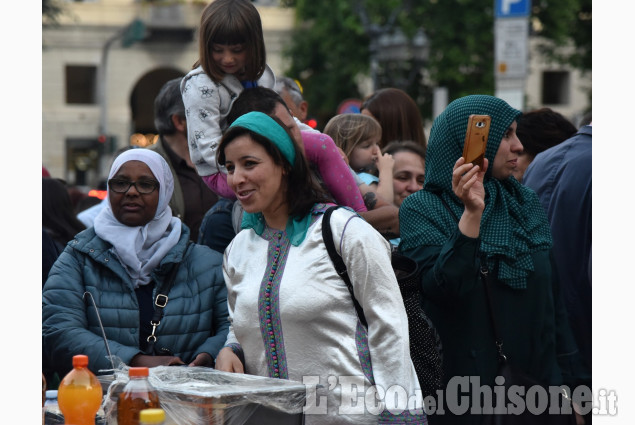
138, 394
79, 395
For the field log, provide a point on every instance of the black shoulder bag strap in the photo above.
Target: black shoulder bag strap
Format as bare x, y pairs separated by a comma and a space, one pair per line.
445, 204
160, 302
484, 272
484, 279
338, 262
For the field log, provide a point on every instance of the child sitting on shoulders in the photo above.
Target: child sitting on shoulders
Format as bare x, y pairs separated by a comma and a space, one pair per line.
231, 58
358, 136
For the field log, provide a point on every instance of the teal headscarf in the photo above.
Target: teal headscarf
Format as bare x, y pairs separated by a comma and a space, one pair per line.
267, 127
514, 223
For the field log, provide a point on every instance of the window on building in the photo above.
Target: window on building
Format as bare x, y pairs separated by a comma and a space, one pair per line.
82, 161
266, 2
556, 87
81, 84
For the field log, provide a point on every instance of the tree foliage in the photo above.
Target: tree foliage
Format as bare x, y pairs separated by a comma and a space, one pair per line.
461, 45
51, 10
330, 46
328, 50
566, 30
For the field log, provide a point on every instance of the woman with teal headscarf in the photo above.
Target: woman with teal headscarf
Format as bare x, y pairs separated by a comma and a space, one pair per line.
291, 315
466, 218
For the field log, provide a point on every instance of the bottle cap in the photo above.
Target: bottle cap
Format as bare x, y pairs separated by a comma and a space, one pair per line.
152, 416
80, 360
51, 393
138, 371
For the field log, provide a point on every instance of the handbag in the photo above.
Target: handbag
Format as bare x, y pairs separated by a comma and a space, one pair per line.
160, 301
515, 377
426, 350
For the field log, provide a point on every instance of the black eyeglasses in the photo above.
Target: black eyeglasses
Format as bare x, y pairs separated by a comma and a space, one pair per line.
143, 186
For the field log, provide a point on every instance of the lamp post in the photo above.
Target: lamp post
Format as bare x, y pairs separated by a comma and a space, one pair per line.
133, 32
375, 32
390, 46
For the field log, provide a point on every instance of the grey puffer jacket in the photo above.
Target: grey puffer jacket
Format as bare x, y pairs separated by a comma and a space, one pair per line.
194, 321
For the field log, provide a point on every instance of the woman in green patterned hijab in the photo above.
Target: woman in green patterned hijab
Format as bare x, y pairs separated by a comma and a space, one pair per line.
466, 218
513, 222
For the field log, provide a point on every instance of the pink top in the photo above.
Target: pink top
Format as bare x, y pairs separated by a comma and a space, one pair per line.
321, 151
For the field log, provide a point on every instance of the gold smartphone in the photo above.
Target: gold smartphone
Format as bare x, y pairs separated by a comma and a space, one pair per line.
476, 139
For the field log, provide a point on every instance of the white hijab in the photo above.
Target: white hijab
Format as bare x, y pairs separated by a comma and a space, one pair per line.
141, 248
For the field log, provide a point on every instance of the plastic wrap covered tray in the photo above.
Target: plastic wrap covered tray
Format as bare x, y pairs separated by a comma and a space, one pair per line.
203, 396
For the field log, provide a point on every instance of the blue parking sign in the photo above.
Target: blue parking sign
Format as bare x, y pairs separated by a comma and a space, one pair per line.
512, 8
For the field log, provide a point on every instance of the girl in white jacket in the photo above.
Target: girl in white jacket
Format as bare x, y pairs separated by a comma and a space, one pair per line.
231, 58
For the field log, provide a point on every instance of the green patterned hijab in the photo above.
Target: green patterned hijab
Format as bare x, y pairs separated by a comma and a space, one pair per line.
514, 224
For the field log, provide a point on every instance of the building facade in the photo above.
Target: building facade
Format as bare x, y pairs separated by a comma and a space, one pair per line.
102, 67
106, 60
556, 86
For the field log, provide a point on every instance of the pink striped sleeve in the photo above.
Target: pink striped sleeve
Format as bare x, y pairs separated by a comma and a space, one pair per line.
336, 174
218, 183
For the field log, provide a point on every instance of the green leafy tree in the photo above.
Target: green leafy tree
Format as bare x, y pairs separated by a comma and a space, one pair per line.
329, 49
461, 45
566, 31
51, 10
330, 46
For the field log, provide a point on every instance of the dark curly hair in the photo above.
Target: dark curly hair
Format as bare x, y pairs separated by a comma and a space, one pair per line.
542, 129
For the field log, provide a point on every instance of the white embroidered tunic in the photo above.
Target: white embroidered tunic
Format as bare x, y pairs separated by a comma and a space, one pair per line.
293, 316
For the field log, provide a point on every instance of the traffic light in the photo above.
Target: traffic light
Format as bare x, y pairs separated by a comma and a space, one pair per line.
108, 143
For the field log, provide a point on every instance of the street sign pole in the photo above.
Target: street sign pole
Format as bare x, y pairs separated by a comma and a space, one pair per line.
133, 32
511, 50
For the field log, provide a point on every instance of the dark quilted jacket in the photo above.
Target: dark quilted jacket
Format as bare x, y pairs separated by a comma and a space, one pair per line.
194, 321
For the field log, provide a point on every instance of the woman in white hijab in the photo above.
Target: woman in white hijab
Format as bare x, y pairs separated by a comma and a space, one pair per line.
121, 264
140, 228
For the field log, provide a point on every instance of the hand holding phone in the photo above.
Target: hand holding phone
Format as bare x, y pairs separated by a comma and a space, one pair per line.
476, 139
